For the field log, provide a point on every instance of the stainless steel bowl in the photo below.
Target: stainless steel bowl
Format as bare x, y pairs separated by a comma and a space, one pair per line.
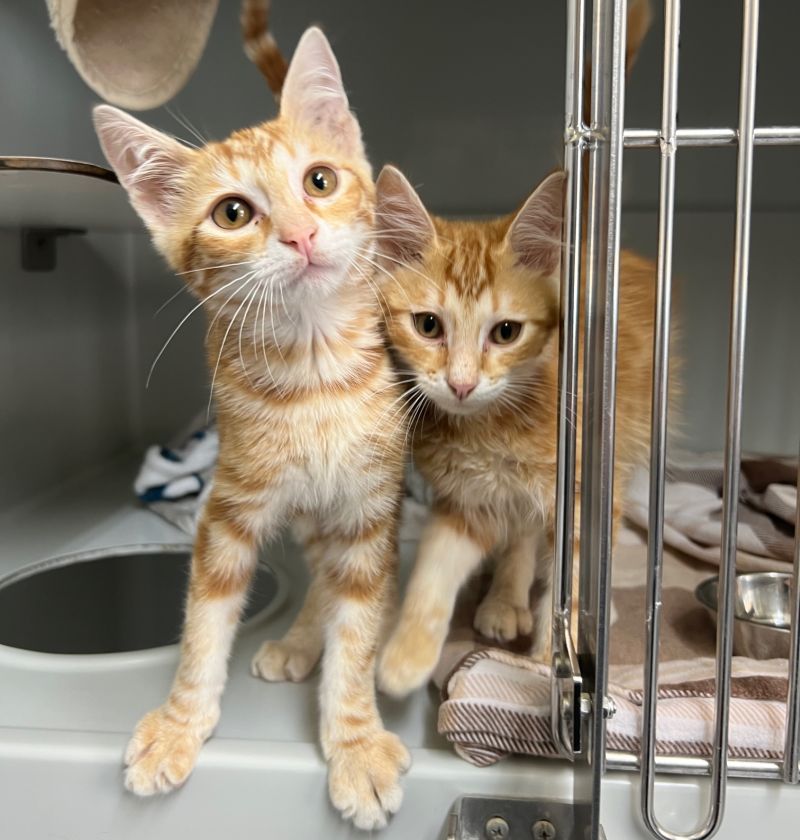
761, 613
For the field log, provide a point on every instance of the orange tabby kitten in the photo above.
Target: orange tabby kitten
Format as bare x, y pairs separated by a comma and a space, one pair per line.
473, 316
272, 229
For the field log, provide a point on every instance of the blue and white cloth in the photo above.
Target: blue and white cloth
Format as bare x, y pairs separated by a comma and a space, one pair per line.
175, 481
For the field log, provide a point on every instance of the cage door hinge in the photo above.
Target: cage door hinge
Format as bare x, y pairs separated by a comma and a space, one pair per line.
570, 704
490, 818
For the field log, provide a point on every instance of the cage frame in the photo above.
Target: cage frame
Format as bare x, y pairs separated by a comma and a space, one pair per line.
594, 143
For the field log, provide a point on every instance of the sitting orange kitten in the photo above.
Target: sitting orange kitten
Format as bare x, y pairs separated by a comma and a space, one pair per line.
273, 230
473, 316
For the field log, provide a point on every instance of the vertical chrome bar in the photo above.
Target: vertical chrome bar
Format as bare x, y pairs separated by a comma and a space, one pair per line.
730, 491
599, 380
744, 177
791, 749
567, 741
570, 294
660, 403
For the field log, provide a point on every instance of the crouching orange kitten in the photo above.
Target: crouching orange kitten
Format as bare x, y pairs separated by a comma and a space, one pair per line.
272, 229
473, 317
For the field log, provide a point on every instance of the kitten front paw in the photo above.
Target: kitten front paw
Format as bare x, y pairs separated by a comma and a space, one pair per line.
282, 661
162, 753
408, 660
499, 619
364, 778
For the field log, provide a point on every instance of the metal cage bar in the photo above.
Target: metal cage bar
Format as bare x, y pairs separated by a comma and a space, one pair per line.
791, 749
645, 138
744, 177
658, 416
604, 139
566, 729
599, 373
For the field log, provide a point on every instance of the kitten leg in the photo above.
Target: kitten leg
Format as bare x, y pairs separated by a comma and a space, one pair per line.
543, 614
166, 742
505, 612
364, 760
294, 656
447, 556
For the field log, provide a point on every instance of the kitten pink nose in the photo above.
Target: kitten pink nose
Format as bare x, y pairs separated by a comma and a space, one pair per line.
462, 389
301, 239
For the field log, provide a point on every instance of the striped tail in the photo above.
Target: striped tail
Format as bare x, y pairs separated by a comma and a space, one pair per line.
260, 46
639, 18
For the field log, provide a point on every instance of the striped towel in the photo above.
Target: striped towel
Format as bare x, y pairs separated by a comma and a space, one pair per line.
497, 703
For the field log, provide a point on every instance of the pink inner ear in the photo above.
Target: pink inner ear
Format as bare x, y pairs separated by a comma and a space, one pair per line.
147, 162
535, 233
313, 95
404, 227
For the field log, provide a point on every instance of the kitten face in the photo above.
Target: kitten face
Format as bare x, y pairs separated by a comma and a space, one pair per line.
472, 305
282, 211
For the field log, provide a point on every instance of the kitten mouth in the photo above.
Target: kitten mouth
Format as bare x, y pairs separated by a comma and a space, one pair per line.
310, 270
460, 408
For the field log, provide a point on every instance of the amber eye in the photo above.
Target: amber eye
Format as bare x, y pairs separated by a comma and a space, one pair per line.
428, 325
320, 181
232, 213
505, 332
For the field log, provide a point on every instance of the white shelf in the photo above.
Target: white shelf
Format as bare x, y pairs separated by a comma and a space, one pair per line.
47, 192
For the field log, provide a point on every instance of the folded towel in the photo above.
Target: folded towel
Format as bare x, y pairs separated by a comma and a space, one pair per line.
497, 703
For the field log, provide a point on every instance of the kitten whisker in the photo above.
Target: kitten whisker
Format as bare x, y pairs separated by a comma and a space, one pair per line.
362, 273
386, 418
221, 350
251, 296
169, 300
263, 304
272, 323
231, 296
184, 320
405, 265
283, 303
391, 276
213, 267
183, 120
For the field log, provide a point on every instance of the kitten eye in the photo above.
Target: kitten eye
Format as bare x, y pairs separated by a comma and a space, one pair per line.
505, 332
232, 213
428, 325
320, 181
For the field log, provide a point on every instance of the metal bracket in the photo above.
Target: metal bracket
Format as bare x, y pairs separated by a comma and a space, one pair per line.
488, 818
39, 246
569, 703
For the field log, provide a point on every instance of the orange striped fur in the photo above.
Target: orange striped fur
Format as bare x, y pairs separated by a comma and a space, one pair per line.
260, 46
490, 456
305, 400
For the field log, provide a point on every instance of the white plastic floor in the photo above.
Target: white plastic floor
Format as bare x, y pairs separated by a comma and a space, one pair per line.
64, 722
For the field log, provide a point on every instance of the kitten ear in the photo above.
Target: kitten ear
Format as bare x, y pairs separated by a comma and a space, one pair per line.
403, 226
147, 162
313, 95
535, 233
